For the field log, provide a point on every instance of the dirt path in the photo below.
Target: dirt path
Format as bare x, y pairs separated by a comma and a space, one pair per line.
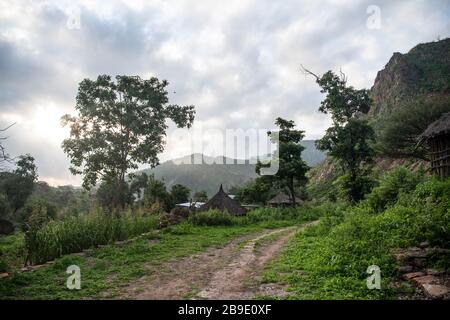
229, 272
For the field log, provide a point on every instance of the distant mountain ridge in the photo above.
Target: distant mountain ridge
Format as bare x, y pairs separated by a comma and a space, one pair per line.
201, 172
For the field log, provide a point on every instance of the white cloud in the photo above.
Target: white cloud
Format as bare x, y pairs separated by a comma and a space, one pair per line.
237, 61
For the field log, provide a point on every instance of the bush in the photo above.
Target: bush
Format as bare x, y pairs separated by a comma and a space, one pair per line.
396, 182
211, 218
35, 205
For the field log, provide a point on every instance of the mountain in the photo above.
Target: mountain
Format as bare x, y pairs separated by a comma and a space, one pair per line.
200, 172
424, 70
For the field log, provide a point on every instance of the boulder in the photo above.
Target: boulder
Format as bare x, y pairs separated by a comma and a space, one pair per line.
435, 291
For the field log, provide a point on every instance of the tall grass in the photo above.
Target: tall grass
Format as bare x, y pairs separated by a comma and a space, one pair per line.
74, 234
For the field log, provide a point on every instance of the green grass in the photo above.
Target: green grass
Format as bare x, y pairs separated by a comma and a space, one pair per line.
308, 270
109, 268
12, 252
329, 261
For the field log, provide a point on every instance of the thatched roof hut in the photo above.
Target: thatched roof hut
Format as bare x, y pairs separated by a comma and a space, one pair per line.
281, 200
221, 201
437, 136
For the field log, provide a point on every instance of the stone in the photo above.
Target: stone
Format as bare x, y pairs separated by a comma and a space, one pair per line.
434, 272
4, 275
418, 262
412, 275
425, 279
435, 290
405, 269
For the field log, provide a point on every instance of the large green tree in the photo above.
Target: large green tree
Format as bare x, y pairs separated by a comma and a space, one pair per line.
119, 124
179, 193
292, 169
200, 196
18, 185
349, 140
156, 193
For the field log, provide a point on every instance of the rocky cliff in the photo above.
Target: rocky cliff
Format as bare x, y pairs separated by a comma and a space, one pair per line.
425, 69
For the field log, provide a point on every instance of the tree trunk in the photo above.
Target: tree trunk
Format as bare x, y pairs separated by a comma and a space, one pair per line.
292, 191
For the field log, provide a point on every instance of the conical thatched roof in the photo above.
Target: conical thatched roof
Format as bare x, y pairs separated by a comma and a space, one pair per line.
221, 201
283, 198
437, 128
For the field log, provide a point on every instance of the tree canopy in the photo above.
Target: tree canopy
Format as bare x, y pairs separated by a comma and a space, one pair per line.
292, 168
349, 140
119, 124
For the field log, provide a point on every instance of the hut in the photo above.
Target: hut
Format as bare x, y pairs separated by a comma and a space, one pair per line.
221, 201
437, 136
282, 200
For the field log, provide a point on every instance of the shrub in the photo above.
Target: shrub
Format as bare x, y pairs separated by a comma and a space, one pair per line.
211, 218
396, 182
36, 205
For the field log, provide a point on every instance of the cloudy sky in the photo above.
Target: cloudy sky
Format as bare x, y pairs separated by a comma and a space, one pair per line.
236, 61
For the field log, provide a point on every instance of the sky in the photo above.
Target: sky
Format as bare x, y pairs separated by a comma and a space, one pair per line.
238, 61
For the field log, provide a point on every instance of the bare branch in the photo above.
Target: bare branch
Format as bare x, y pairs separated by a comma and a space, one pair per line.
307, 72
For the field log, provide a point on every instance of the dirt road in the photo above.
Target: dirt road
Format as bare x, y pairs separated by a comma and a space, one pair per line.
230, 272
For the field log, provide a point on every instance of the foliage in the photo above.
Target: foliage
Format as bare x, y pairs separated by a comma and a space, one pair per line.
179, 193
18, 185
257, 191
398, 181
211, 218
200, 196
349, 139
291, 167
51, 240
138, 184
12, 252
34, 205
155, 193
119, 124
68, 200
399, 132
114, 193
335, 255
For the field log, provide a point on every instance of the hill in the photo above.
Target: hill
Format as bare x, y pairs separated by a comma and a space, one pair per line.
423, 72
207, 173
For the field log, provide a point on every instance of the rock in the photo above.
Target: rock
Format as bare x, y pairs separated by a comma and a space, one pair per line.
425, 279
412, 275
418, 262
434, 272
424, 244
405, 269
435, 291
4, 275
